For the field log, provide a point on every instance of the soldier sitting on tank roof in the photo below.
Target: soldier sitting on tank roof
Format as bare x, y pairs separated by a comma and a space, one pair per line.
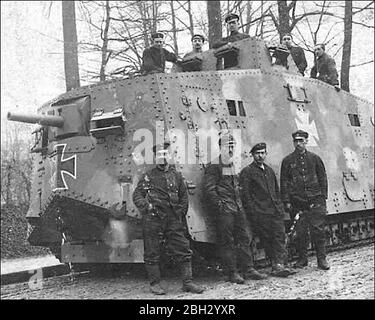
232, 21
325, 67
262, 202
197, 42
304, 190
154, 57
161, 197
297, 53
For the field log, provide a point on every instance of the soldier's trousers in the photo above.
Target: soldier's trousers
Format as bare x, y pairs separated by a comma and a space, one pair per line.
170, 229
313, 219
271, 230
234, 241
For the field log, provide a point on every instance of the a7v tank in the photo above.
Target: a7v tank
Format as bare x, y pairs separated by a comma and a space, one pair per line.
93, 144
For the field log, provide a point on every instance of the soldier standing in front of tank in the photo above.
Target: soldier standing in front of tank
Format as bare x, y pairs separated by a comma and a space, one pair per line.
325, 67
232, 21
296, 52
304, 189
221, 188
161, 197
262, 202
155, 56
197, 42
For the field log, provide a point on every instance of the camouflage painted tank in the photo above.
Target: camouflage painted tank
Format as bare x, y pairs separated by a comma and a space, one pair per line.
88, 159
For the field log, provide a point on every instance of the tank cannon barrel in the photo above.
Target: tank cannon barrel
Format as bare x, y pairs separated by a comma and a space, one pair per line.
44, 120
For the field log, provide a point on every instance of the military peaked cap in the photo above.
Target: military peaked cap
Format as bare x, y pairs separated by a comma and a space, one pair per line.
300, 134
160, 146
258, 146
157, 35
197, 36
231, 16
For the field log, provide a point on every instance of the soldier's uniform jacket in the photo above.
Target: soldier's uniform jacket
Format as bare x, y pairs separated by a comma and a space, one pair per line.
221, 186
234, 36
299, 58
325, 66
303, 177
191, 53
260, 191
165, 190
154, 59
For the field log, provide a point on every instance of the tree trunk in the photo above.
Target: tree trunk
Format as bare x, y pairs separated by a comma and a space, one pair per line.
105, 42
191, 22
214, 22
248, 16
284, 26
145, 31
174, 29
347, 48
70, 45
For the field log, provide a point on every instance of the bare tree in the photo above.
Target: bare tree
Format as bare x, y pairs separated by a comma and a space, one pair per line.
174, 28
347, 48
70, 45
214, 22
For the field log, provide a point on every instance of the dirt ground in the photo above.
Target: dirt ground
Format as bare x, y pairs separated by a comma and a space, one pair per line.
351, 277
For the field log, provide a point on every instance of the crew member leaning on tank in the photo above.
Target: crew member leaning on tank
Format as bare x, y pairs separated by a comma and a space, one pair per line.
155, 56
221, 190
260, 195
325, 67
161, 197
304, 190
232, 21
296, 52
197, 42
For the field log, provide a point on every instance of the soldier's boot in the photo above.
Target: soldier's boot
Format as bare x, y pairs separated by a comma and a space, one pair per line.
187, 279
321, 255
300, 263
323, 264
302, 260
253, 274
278, 270
153, 272
235, 277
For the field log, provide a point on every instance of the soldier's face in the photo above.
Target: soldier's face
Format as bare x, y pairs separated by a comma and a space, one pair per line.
162, 157
300, 144
158, 42
233, 25
287, 41
318, 50
260, 156
197, 43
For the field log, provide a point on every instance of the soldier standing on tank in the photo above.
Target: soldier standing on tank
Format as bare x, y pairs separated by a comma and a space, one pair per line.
296, 52
197, 42
221, 188
232, 21
155, 56
325, 67
262, 202
161, 197
304, 189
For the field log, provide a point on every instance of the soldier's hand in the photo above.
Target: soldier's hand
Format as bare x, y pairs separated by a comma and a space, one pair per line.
288, 206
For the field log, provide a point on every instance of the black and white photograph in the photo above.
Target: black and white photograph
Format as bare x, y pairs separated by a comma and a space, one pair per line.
187, 157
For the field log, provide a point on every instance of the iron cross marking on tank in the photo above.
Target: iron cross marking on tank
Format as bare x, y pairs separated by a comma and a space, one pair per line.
303, 123
63, 166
